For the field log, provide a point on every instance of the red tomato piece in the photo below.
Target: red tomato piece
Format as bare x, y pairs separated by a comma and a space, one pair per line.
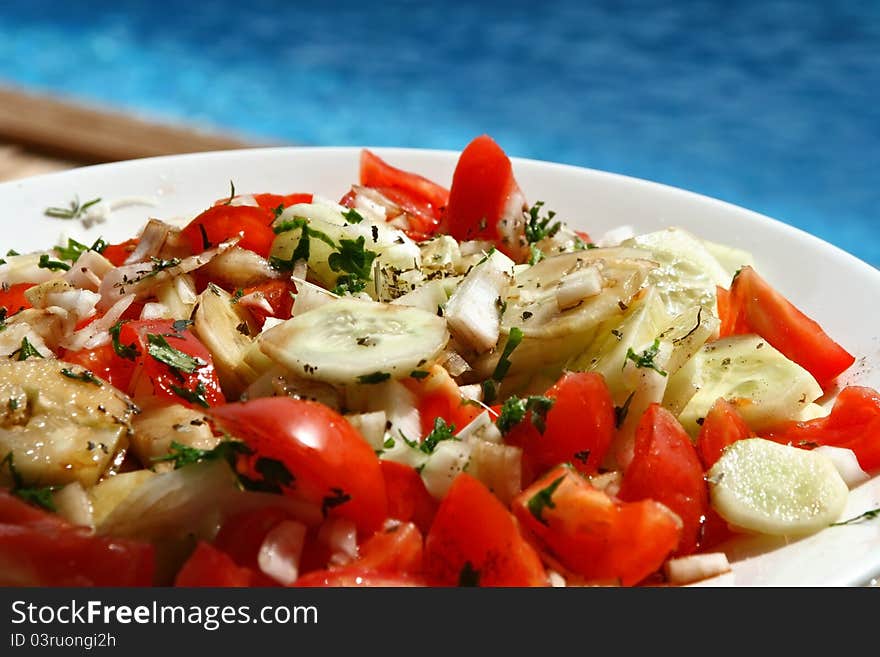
241, 535
723, 299
579, 427
223, 222
192, 382
429, 198
395, 549
272, 201
484, 193
722, 426
208, 566
439, 396
118, 253
593, 534
279, 294
333, 465
12, 298
105, 363
854, 423
665, 468
758, 308
475, 540
356, 576
38, 548
408, 499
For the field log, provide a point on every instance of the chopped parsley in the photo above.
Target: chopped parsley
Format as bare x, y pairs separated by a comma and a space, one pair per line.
127, 351
375, 377
74, 211
275, 477
439, 433
535, 255
158, 348
75, 249
26, 350
419, 374
38, 496
303, 248
52, 265
195, 396
490, 386
514, 411
389, 443
646, 358
338, 498
352, 216
180, 325
278, 210
543, 499
231, 193
86, 376
355, 261
537, 227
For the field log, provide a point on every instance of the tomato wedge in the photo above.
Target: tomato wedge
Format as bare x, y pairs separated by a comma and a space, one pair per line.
12, 299
722, 426
593, 534
105, 363
208, 566
271, 202
38, 548
665, 468
278, 293
223, 222
356, 576
755, 307
854, 423
331, 464
395, 549
475, 541
484, 194
170, 362
117, 254
579, 427
408, 499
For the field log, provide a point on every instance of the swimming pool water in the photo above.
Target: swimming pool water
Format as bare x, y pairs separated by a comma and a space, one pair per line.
772, 105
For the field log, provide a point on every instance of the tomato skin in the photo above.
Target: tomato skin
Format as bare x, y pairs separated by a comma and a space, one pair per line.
666, 468
272, 201
38, 548
208, 566
279, 294
160, 376
579, 427
722, 296
355, 576
438, 395
396, 549
722, 426
424, 197
241, 535
223, 222
408, 499
117, 254
473, 527
760, 309
105, 363
319, 447
854, 423
12, 298
482, 187
595, 535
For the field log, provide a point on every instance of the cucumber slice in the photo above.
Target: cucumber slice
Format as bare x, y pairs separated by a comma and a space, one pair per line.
765, 386
776, 489
642, 322
354, 341
687, 274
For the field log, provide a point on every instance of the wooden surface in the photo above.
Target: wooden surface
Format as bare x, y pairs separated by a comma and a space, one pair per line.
40, 133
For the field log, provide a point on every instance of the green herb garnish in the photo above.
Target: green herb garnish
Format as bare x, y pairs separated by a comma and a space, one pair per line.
867, 515
543, 499
195, 396
86, 376
375, 377
73, 212
646, 358
439, 433
127, 351
537, 227
26, 350
337, 498
38, 496
352, 216
514, 411
52, 265
158, 348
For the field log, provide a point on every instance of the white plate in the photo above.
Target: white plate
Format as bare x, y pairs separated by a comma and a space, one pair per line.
835, 288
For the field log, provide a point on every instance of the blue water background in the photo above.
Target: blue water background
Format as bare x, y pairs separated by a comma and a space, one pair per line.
772, 105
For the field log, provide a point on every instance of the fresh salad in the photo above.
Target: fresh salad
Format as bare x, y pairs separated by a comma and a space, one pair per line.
409, 385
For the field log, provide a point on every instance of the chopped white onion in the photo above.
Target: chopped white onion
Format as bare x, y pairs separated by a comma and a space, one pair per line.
150, 243
97, 333
88, 270
72, 503
371, 426
847, 464
281, 550
308, 296
257, 300
340, 536
155, 310
615, 236
696, 567
576, 286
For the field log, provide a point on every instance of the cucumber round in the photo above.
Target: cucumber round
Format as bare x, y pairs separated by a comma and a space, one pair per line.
776, 489
354, 341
